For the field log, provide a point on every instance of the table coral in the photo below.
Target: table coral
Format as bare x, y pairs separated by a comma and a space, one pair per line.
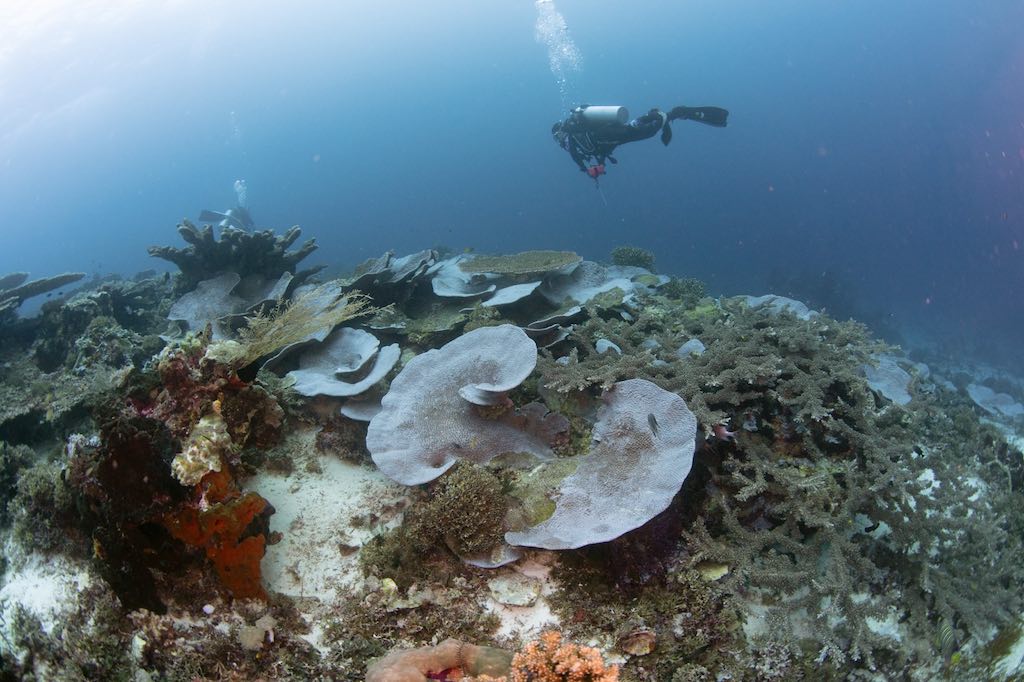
14, 290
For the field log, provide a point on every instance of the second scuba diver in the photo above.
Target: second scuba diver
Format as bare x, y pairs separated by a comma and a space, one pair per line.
591, 133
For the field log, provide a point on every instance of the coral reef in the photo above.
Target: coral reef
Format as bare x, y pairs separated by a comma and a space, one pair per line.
824, 498
60, 363
44, 512
825, 526
260, 253
147, 493
14, 459
684, 617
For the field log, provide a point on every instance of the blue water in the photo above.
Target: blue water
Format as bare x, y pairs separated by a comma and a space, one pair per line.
873, 164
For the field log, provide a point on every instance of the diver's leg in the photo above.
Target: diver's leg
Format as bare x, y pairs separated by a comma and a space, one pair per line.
712, 116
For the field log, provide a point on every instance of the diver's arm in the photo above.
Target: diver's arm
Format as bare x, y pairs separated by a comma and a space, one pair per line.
577, 154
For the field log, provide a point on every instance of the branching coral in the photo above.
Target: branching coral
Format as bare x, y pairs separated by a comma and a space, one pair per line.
633, 255
826, 501
261, 253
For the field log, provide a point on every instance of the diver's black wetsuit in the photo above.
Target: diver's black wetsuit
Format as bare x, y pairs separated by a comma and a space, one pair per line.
595, 143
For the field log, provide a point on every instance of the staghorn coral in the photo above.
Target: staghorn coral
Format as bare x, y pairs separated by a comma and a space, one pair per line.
686, 290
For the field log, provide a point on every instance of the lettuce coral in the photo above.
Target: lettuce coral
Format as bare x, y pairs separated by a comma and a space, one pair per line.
431, 416
642, 452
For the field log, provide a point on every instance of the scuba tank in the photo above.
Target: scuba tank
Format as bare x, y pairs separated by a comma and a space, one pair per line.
593, 117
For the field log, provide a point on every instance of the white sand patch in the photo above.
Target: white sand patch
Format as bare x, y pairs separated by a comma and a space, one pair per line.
324, 517
46, 587
523, 622
526, 622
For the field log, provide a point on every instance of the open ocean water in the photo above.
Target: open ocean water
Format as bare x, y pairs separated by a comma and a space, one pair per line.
872, 164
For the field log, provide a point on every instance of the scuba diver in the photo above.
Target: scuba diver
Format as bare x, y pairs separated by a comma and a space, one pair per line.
591, 133
237, 217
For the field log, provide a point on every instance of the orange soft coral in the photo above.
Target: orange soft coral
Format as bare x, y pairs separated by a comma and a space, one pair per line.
549, 660
228, 526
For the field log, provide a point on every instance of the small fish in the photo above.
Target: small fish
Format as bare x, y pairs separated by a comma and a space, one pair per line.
653, 421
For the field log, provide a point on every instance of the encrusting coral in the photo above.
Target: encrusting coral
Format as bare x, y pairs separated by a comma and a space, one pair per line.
451, 659
205, 449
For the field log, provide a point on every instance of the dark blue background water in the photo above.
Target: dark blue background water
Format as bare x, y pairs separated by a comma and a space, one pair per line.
873, 162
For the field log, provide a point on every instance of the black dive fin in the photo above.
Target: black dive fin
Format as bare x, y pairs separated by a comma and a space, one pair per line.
712, 116
666, 134
207, 216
